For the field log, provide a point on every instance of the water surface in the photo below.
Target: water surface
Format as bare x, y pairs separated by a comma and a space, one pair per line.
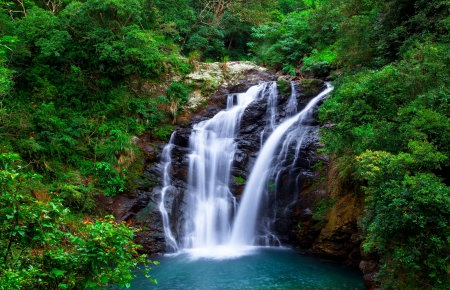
261, 268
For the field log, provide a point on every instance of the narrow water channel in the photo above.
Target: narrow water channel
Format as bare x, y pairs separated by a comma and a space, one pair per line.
259, 268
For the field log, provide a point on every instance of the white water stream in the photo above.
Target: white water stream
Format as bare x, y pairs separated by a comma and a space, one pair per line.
244, 225
211, 205
171, 244
209, 229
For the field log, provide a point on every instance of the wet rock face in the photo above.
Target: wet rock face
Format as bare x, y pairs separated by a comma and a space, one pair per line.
339, 238
284, 193
142, 206
369, 268
291, 171
289, 207
218, 100
282, 199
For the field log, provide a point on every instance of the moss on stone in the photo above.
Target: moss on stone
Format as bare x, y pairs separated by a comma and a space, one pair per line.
311, 86
284, 87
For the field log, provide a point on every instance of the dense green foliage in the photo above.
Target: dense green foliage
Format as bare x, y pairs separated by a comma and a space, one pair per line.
305, 36
215, 29
394, 122
76, 81
74, 105
388, 118
389, 125
69, 106
44, 246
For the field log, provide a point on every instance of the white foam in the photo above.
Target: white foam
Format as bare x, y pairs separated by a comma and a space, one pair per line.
221, 252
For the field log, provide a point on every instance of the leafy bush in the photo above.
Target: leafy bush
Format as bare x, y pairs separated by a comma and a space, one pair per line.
279, 44
45, 246
6, 43
177, 93
109, 179
319, 63
288, 40
164, 132
389, 126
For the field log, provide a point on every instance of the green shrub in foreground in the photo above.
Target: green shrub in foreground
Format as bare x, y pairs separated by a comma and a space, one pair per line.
45, 246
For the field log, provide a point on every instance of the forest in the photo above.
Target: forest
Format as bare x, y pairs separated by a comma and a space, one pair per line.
69, 112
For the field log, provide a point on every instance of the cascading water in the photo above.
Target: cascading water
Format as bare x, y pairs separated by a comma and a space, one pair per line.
272, 107
291, 108
267, 237
203, 231
245, 222
271, 113
211, 205
211, 208
171, 244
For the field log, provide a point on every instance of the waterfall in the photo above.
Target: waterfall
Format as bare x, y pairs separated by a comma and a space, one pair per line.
271, 113
291, 108
171, 244
272, 103
212, 218
211, 205
245, 222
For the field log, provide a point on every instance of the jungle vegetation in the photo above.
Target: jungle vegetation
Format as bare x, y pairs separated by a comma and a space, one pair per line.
69, 108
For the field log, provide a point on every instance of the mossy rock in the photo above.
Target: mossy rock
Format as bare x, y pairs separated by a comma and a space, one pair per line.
284, 87
312, 86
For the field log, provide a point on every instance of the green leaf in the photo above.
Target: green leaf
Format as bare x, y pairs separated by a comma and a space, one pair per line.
91, 284
57, 272
63, 286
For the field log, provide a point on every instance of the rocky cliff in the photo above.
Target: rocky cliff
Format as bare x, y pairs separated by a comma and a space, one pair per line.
315, 209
